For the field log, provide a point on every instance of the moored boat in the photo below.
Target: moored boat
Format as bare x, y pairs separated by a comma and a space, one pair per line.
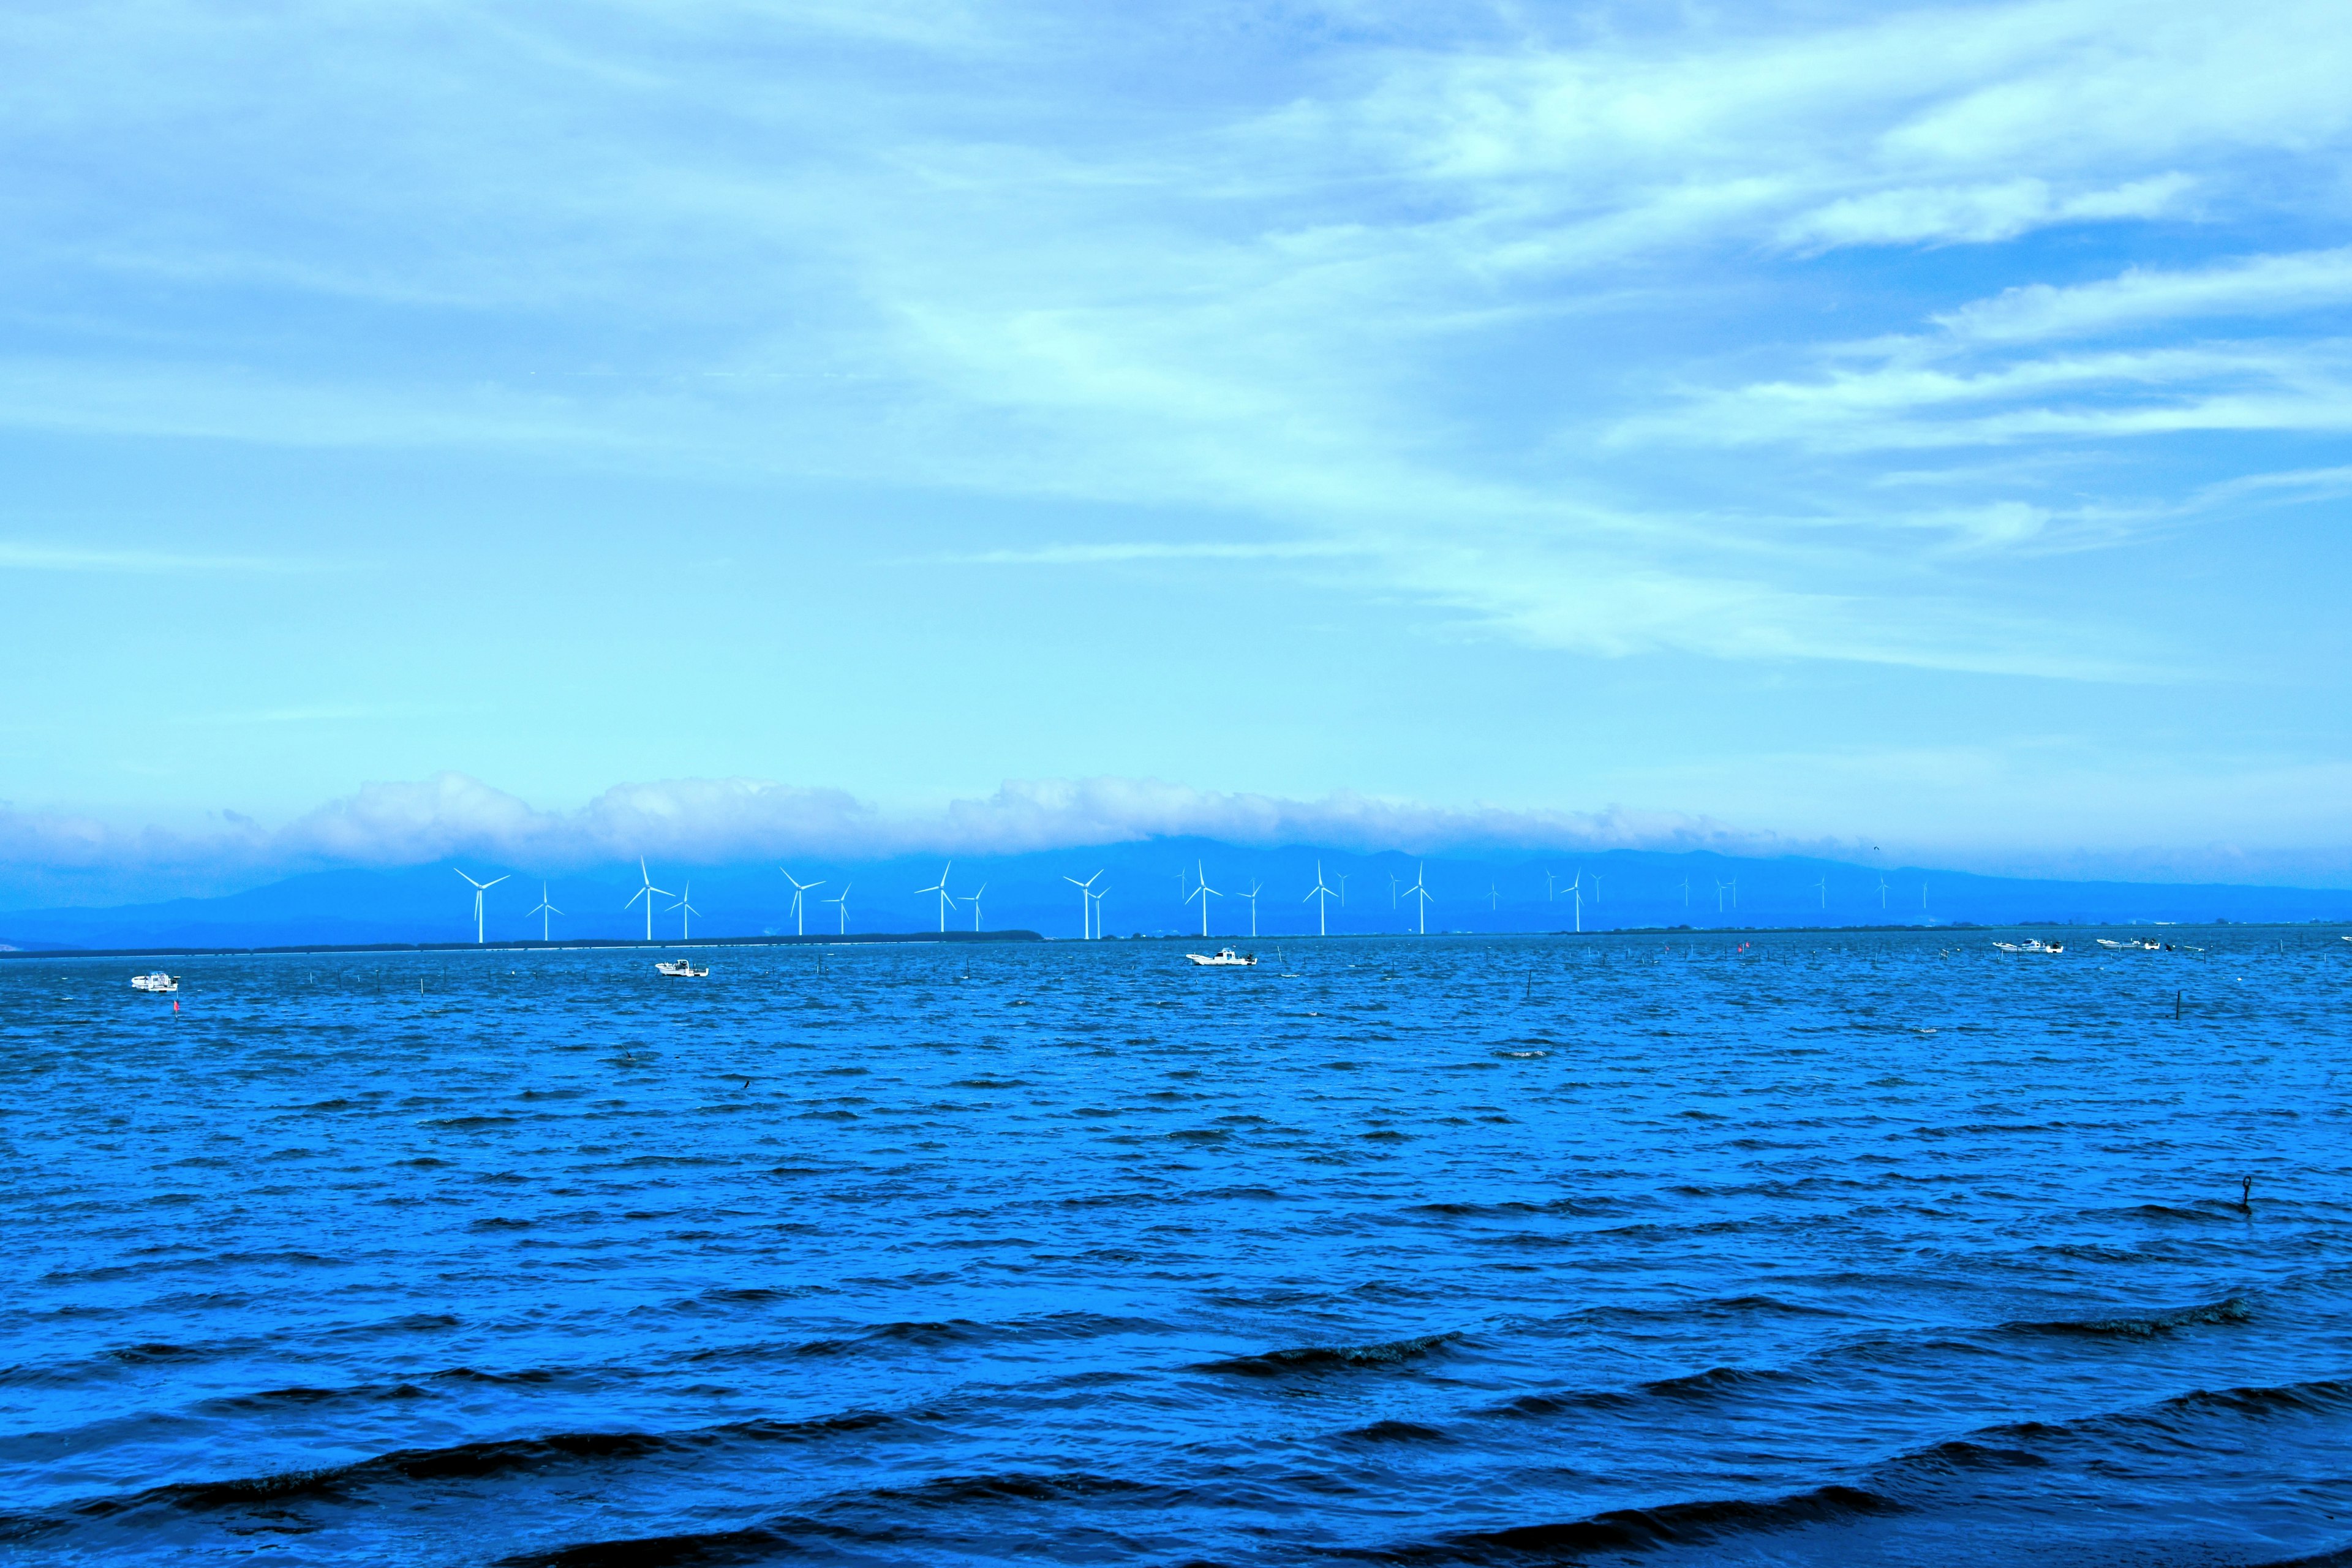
1224, 958
680, 969
157, 981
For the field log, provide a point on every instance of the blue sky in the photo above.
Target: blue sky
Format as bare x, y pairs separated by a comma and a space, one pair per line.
1836, 424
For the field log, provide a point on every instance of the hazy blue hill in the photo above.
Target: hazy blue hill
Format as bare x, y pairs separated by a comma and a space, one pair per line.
1504, 892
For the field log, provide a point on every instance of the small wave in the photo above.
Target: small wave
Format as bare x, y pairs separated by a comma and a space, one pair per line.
1394, 1432
462, 1461
713, 1549
1639, 1528
1334, 1358
2230, 1309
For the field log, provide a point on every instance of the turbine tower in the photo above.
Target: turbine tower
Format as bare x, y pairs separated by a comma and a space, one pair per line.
844, 902
1085, 905
1256, 888
544, 909
1421, 892
1576, 890
1686, 892
646, 893
1881, 895
1205, 893
947, 900
1343, 883
1321, 897
1098, 898
1596, 886
1822, 887
685, 905
481, 887
974, 901
800, 915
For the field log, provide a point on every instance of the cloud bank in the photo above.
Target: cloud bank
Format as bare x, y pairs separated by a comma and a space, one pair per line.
721, 821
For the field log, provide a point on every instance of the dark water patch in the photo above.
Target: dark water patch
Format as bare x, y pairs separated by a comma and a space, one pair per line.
1337, 1358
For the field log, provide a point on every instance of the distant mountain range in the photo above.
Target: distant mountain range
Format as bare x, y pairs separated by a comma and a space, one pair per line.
1149, 888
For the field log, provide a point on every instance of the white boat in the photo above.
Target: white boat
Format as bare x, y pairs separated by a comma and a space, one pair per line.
680, 969
157, 981
2134, 946
1224, 958
2032, 945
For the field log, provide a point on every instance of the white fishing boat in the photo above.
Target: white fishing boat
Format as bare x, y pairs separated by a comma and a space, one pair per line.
680, 969
1224, 958
2032, 945
158, 982
2133, 946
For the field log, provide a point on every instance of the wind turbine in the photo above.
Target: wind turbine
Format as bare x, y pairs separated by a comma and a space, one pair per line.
1720, 885
1343, 883
1321, 897
947, 900
1098, 898
646, 893
686, 918
1085, 922
1576, 890
480, 888
1596, 886
1255, 887
1418, 891
1881, 895
844, 902
1394, 881
1822, 886
1205, 893
1549, 880
1686, 892
974, 901
800, 915
544, 909
1494, 899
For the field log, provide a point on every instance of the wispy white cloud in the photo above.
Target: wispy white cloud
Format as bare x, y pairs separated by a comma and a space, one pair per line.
24, 555
1384, 295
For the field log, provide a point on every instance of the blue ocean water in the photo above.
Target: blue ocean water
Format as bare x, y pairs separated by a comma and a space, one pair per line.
1807, 1249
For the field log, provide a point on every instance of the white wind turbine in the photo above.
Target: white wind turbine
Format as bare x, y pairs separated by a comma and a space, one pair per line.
480, 888
1423, 893
800, 915
1596, 886
1085, 905
1550, 885
542, 911
1321, 898
1098, 897
1881, 895
685, 905
1822, 887
1343, 883
1686, 892
947, 900
842, 901
646, 893
1576, 890
1205, 893
1256, 888
974, 902
1395, 881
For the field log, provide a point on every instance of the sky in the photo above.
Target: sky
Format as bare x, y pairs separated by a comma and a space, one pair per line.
1820, 425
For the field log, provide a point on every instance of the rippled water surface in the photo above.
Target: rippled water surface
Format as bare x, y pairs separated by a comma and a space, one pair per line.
1867, 1249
